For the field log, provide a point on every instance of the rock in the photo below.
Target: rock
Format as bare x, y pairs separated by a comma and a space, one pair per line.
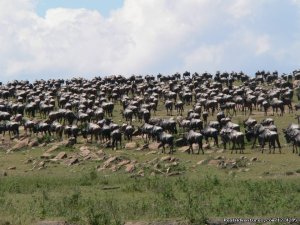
201, 162
151, 153
174, 173
184, 149
253, 159
33, 143
52, 223
214, 162
165, 158
28, 161
219, 157
129, 168
110, 160
72, 161
19, 145
47, 156
53, 148
131, 145
221, 151
61, 155
84, 151
123, 163
206, 146
114, 168
12, 168
154, 146
100, 152
153, 161
4, 173
41, 164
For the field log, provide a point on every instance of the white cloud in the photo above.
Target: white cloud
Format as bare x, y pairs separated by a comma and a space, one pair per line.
149, 36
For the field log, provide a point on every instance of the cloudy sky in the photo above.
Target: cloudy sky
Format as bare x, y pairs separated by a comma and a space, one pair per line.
65, 38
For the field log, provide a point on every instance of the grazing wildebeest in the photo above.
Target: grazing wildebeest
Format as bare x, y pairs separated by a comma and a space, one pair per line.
193, 137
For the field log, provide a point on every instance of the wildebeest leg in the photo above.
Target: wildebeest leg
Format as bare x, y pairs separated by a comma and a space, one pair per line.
200, 147
254, 142
262, 146
278, 143
190, 148
171, 148
216, 141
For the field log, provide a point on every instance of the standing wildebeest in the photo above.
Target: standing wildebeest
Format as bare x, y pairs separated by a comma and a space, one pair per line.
165, 138
264, 134
210, 132
236, 137
179, 107
169, 107
116, 137
292, 134
193, 137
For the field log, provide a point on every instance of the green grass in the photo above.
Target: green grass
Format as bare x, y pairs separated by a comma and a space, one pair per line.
80, 198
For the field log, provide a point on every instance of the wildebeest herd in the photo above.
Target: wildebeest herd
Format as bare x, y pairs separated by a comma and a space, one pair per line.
86, 108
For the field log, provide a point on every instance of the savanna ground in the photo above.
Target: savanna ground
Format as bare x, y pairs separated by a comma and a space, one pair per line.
187, 188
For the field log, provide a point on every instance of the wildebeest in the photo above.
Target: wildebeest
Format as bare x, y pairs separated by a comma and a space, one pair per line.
165, 138
116, 137
263, 135
236, 137
210, 132
193, 137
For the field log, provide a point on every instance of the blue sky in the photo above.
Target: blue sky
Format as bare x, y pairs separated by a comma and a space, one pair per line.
103, 6
65, 38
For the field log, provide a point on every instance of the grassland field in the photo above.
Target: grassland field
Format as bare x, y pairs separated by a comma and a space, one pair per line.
33, 189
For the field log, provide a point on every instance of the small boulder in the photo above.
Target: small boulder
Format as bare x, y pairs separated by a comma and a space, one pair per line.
129, 168
201, 162
184, 149
84, 151
165, 158
33, 143
253, 159
154, 146
61, 155
214, 162
12, 168
47, 156
72, 161
131, 145
123, 163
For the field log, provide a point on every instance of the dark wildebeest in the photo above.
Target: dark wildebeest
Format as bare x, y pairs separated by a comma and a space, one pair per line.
169, 107
292, 134
210, 132
165, 138
116, 137
179, 107
193, 137
236, 137
264, 134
